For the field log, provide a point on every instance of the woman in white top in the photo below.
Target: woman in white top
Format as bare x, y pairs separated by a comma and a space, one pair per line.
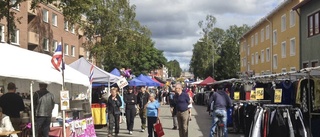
5, 124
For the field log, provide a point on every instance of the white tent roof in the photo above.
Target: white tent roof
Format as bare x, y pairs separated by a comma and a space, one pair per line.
99, 75
20, 63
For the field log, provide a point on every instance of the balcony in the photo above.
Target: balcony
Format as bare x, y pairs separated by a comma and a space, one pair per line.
31, 12
33, 38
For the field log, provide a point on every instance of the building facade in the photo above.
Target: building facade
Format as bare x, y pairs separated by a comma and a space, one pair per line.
309, 33
271, 45
42, 29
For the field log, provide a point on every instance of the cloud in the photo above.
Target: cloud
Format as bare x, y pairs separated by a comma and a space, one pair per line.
174, 23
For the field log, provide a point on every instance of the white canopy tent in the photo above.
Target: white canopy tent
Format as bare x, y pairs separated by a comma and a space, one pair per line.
25, 67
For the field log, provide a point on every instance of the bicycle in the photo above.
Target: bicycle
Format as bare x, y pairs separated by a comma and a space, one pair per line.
219, 126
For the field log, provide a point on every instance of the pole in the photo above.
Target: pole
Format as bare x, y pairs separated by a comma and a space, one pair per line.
63, 88
32, 110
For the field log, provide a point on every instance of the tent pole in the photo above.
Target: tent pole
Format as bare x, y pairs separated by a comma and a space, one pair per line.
32, 109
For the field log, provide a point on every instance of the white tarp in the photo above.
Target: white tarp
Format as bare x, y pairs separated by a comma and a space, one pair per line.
99, 75
20, 63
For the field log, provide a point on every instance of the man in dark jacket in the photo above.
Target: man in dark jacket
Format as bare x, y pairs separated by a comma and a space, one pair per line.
43, 105
173, 109
142, 101
131, 100
220, 101
114, 104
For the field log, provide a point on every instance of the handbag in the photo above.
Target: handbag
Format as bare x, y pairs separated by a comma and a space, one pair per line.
158, 128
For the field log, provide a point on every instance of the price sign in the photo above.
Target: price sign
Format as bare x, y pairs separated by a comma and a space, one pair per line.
64, 100
236, 95
259, 93
277, 95
253, 95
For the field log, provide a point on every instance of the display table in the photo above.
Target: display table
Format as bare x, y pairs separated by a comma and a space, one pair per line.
58, 132
82, 128
8, 133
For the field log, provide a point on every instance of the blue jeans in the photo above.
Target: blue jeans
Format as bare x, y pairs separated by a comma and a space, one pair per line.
215, 119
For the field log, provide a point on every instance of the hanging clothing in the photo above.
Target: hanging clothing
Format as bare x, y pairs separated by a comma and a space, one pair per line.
287, 92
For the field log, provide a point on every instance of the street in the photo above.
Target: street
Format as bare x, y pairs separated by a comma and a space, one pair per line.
198, 127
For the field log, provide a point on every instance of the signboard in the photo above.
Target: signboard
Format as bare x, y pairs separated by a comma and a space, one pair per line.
64, 100
122, 83
236, 95
277, 95
253, 95
259, 93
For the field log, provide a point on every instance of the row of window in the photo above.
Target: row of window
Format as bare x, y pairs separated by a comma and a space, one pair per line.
313, 64
45, 46
283, 70
14, 35
54, 21
265, 32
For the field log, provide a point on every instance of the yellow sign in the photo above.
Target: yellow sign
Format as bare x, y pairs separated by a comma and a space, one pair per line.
236, 95
259, 93
253, 95
277, 95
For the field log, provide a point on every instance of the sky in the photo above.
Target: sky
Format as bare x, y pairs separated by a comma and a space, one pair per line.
174, 23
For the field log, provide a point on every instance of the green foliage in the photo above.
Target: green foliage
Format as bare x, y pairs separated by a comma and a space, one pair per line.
174, 68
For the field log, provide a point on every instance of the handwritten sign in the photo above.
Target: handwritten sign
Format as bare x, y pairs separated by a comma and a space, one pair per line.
236, 95
259, 93
122, 83
277, 95
64, 100
253, 95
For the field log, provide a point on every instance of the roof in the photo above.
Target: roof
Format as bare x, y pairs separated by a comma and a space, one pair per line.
280, 6
304, 2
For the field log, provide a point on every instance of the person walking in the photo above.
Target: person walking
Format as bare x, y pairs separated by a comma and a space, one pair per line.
221, 101
43, 102
142, 100
173, 110
182, 101
131, 100
153, 109
114, 104
12, 104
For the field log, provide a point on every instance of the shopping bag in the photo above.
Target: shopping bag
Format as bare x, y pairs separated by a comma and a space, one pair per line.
158, 128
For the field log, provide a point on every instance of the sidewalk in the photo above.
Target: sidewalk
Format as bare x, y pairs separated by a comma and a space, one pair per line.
198, 127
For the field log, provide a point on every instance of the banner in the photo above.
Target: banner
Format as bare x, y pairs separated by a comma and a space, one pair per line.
122, 83
253, 95
259, 93
236, 95
277, 95
64, 100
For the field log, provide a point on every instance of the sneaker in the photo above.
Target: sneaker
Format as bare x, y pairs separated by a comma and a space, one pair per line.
130, 132
174, 128
142, 130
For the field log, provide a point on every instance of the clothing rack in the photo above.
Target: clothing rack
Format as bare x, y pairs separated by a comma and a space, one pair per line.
277, 105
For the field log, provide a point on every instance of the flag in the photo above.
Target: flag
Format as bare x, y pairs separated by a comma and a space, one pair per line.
57, 58
91, 74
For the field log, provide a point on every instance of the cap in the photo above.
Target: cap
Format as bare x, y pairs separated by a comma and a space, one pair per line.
11, 86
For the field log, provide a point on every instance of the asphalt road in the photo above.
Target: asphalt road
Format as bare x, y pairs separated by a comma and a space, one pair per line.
198, 127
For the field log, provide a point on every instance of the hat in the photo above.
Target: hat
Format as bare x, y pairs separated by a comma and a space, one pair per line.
11, 86
130, 88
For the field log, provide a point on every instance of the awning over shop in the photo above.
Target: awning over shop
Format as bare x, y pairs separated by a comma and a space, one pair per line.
207, 81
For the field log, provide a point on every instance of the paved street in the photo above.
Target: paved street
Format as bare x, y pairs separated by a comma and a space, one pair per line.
198, 127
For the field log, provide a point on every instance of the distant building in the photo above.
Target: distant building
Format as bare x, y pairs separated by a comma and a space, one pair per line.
161, 73
186, 75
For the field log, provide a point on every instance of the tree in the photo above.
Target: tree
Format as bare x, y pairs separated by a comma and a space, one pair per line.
174, 68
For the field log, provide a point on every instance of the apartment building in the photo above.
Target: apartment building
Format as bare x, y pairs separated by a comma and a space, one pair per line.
42, 29
271, 45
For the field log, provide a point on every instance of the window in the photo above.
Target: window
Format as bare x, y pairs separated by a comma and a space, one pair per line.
248, 68
245, 61
257, 58
262, 35
88, 55
293, 69
252, 59
310, 25
16, 7
275, 61
45, 44
283, 70
15, 37
72, 29
73, 51
283, 49
268, 54
252, 40
54, 19
256, 39
66, 25
45, 15
262, 56
292, 18
292, 47
248, 51
242, 62
316, 23
275, 36
1, 33
314, 63
267, 32
54, 45
305, 65
66, 49
283, 23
